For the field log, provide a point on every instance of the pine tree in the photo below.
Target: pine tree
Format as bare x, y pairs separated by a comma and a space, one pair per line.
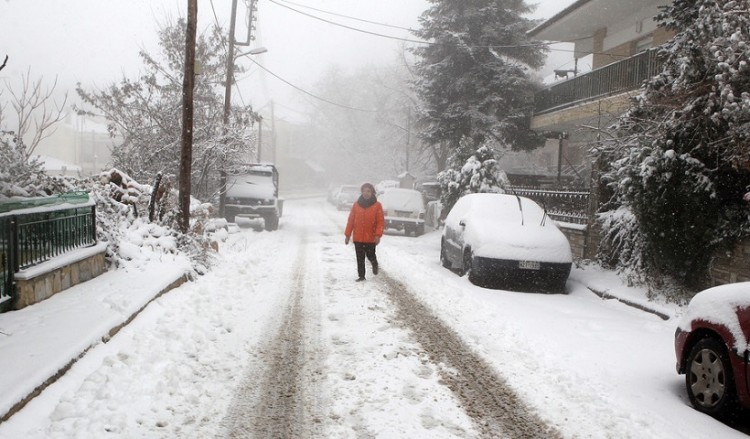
681, 165
473, 76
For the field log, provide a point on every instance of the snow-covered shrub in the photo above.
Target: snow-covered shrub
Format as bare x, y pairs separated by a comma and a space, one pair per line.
480, 173
123, 210
680, 165
19, 175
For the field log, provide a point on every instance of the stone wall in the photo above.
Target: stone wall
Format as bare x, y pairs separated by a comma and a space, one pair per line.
584, 240
43, 286
731, 266
726, 267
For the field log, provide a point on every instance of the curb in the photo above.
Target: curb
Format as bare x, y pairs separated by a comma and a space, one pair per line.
606, 295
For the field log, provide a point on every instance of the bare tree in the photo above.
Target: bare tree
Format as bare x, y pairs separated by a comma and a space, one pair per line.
36, 108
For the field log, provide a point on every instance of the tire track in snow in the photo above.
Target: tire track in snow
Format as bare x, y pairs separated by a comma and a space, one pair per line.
495, 408
280, 402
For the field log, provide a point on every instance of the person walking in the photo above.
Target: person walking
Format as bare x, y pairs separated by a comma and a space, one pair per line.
365, 227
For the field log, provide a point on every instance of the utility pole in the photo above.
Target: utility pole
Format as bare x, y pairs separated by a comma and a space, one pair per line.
408, 135
260, 139
273, 135
228, 88
188, 83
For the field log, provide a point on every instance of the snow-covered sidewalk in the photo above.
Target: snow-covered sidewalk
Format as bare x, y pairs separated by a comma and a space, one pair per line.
40, 342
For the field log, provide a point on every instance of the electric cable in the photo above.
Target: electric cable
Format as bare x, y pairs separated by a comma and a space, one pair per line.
307, 92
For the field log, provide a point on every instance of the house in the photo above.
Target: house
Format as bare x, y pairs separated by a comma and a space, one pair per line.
612, 57
614, 37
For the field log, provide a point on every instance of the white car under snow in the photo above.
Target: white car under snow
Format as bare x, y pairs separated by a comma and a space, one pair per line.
507, 240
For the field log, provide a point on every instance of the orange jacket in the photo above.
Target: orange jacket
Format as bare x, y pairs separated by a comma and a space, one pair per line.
366, 223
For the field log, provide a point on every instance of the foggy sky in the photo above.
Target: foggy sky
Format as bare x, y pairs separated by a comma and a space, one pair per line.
96, 42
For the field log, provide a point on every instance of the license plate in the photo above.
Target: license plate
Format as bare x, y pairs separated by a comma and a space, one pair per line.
528, 265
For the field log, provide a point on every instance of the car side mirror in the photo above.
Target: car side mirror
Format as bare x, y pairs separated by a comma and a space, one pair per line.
462, 223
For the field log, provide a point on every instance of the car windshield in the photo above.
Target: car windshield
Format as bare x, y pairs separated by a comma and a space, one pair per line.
251, 185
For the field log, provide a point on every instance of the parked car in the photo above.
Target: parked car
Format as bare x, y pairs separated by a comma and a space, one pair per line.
404, 209
253, 193
346, 196
712, 346
507, 241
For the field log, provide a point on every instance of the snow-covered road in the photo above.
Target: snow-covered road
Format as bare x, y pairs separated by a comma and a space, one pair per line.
279, 341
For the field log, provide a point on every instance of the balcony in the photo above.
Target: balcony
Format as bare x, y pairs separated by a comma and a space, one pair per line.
610, 80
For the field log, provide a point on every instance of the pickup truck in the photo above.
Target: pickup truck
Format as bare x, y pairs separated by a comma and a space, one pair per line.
253, 193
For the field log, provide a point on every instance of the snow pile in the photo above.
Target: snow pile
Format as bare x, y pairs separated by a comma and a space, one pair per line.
139, 221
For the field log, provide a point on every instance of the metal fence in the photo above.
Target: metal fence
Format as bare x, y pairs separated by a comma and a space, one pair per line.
611, 79
562, 205
30, 238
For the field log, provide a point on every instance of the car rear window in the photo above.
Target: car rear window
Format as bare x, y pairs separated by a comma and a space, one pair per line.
400, 199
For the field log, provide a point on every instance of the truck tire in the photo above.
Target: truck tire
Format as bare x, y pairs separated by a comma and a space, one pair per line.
272, 222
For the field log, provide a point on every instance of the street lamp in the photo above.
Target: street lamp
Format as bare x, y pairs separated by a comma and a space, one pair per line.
256, 51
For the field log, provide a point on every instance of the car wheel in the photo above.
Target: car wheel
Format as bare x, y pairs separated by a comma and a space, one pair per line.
467, 264
444, 257
709, 379
419, 231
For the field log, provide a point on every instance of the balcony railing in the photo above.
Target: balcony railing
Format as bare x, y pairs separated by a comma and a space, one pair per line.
609, 80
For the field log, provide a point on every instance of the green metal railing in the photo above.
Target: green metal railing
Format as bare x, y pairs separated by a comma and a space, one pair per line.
37, 230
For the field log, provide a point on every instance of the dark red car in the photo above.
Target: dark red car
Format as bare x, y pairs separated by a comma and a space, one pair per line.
712, 344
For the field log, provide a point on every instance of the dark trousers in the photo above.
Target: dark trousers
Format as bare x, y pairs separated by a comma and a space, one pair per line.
365, 249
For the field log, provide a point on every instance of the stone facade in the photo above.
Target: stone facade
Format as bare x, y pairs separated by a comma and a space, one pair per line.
726, 267
43, 286
584, 241
731, 266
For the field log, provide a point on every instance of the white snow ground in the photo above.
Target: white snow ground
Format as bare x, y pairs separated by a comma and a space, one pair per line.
593, 368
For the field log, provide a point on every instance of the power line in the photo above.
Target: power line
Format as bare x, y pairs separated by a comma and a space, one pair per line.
347, 16
348, 27
407, 40
307, 92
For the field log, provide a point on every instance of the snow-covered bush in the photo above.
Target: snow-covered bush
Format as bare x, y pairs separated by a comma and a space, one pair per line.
124, 219
680, 167
480, 173
124, 207
19, 176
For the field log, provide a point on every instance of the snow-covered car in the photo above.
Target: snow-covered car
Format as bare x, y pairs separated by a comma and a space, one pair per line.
505, 240
403, 209
712, 348
346, 196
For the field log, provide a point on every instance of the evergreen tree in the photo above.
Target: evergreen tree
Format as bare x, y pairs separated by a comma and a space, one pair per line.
473, 76
679, 169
